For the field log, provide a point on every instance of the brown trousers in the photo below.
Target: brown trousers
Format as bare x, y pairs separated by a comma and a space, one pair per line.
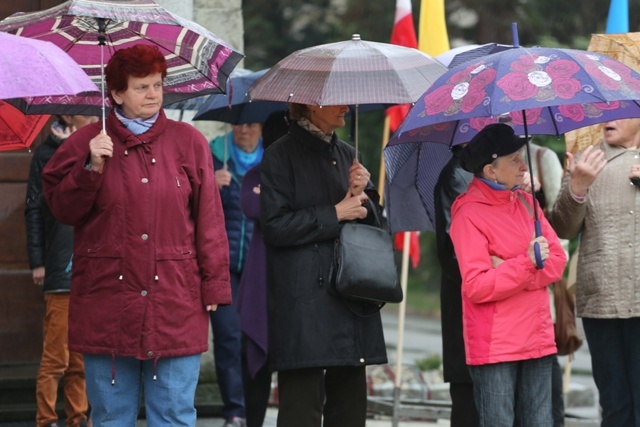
58, 363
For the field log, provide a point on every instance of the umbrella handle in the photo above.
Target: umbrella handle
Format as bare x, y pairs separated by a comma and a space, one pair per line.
536, 246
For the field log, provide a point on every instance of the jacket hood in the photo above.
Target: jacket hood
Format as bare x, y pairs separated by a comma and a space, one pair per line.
480, 192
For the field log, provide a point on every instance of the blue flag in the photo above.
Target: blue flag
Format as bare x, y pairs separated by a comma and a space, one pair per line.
618, 20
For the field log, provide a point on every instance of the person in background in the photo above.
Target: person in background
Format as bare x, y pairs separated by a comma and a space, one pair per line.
50, 250
150, 248
252, 292
547, 177
452, 182
600, 201
233, 155
319, 343
507, 326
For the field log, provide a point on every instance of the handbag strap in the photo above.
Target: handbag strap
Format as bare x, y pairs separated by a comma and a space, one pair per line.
526, 204
539, 154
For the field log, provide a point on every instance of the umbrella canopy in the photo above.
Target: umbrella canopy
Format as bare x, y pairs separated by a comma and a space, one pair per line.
17, 131
352, 72
464, 54
35, 68
90, 31
623, 47
239, 109
85, 104
535, 90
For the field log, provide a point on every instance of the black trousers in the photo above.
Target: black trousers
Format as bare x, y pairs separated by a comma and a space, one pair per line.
256, 391
314, 397
463, 406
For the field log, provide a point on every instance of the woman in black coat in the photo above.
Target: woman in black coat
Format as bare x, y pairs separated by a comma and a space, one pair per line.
319, 345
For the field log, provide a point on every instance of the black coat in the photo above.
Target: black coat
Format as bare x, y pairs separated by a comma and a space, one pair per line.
452, 182
303, 178
49, 243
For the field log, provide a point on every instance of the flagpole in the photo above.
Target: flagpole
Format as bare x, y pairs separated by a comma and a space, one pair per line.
397, 390
383, 169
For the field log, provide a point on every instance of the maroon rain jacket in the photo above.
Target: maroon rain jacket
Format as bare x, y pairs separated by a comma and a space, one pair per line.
150, 248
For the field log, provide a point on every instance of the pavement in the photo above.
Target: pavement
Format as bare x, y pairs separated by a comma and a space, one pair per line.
420, 338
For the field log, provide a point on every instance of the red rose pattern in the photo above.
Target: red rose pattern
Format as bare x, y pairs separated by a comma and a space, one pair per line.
517, 86
573, 112
562, 69
479, 123
566, 88
438, 100
532, 116
472, 99
483, 78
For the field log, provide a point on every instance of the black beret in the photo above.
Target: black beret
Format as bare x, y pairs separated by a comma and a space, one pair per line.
495, 140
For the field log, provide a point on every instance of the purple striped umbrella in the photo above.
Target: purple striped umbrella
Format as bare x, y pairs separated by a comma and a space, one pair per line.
352, 72
90, 31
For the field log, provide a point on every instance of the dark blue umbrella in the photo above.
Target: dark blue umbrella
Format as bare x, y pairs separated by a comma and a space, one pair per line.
240, 110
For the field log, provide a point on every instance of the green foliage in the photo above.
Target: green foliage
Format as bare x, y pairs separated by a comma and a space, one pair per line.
429, 363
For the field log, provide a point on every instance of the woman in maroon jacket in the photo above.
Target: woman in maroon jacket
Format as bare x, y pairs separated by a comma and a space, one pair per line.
150, 248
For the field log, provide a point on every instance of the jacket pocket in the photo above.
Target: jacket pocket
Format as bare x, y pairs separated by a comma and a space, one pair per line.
179, 267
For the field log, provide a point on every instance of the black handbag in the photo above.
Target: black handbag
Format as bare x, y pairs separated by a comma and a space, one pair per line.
364, 267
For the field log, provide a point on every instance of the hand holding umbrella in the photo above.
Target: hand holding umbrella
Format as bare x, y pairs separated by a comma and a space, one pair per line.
101, 147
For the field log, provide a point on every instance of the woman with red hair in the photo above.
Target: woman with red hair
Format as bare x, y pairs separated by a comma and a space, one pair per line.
150, 251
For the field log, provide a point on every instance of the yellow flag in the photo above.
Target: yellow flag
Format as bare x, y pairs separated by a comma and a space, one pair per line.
433, 38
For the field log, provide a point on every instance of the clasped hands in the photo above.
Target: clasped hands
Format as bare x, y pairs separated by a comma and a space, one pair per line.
544, 252
352, 206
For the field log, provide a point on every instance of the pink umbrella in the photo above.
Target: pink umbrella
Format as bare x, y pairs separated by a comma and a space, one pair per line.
90, 31
35, 68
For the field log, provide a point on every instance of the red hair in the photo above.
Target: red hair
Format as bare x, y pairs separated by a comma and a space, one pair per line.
137, 61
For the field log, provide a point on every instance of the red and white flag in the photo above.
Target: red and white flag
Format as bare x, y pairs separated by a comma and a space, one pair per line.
403, 34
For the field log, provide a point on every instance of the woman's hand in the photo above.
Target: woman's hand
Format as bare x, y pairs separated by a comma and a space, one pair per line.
223, 178
358, 178
38, 275
213, 307
100, 147
496, 261
544, 249
526, 183
352, 207
585, 170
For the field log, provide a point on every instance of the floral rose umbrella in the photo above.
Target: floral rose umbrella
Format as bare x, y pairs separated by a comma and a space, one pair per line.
531, 88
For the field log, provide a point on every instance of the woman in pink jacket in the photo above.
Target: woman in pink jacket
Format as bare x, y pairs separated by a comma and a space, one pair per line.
508, 330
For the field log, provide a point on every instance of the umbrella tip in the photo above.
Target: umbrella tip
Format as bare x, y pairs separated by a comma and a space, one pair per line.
356, 37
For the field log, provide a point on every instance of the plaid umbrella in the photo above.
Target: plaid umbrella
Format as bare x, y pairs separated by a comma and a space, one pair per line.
352, 72
90, 31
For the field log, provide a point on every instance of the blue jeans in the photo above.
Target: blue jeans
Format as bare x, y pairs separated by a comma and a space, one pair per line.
500, 388
168, 399
615, 361
227, 352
